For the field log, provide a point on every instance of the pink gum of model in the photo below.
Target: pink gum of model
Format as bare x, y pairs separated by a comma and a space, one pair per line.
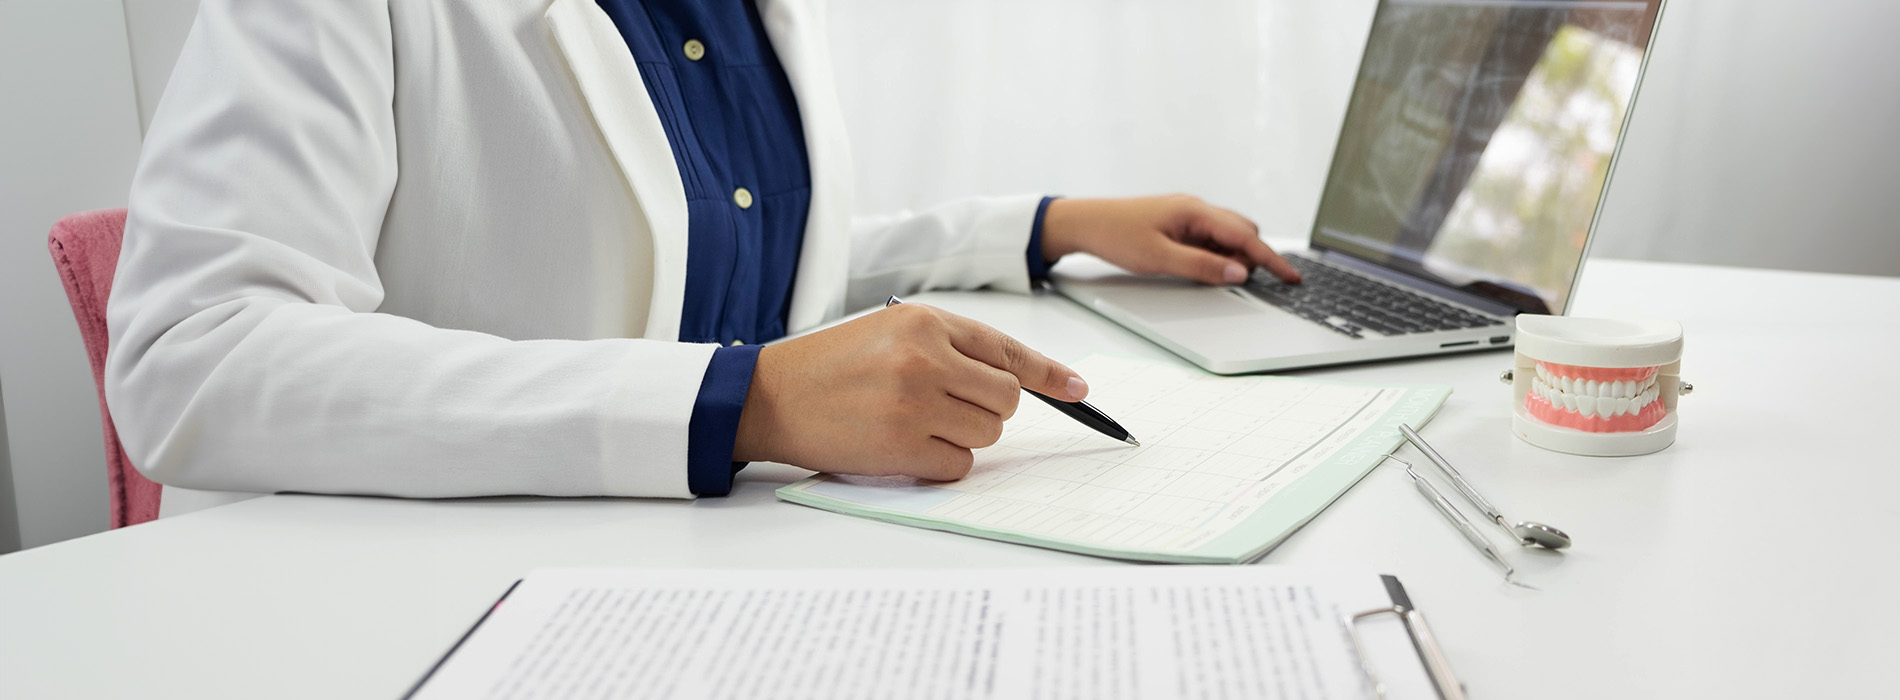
1600, 374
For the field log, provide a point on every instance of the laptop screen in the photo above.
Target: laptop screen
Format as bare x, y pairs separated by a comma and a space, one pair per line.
1479, 139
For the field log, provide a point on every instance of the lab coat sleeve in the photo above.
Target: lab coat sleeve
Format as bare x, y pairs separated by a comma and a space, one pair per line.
967, 244
246, 350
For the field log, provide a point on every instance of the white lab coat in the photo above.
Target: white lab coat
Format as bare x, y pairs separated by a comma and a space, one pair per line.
435, 248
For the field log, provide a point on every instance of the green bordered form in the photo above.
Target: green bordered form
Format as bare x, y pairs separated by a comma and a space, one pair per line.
1227, 469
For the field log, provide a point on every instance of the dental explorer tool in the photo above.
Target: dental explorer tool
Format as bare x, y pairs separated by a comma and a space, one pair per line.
1527, 533
1470, 531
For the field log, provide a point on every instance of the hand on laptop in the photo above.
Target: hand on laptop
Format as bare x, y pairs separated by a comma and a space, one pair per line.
1176, 235
909, 390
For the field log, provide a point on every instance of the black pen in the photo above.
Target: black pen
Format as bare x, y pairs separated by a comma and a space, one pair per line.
1081, 411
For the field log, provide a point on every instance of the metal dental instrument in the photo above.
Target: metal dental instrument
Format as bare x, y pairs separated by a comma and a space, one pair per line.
1470, 531
1527, 533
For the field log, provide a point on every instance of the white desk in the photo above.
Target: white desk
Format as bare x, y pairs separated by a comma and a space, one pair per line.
1749, 560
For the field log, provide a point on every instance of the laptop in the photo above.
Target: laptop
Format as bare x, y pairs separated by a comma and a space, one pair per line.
1464, 190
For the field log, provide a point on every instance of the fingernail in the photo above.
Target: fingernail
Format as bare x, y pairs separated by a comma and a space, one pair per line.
1077, 389
1235, 273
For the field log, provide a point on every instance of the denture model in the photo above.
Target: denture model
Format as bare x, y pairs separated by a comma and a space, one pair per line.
1596, 386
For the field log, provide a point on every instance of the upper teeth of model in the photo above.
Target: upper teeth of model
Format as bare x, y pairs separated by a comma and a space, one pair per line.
1590, 397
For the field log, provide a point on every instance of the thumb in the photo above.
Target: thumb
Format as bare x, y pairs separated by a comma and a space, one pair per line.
1200, 265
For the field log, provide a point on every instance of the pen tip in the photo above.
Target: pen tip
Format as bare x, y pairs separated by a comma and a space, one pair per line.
1132, 441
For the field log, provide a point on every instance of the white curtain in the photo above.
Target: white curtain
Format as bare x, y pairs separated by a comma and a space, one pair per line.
1093, 97
1763, 136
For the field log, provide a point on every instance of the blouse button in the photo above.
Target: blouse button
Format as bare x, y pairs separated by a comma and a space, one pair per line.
742, 197
695, 50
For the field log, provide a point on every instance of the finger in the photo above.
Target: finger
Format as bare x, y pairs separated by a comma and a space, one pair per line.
1034, 371
965, 424
987, 387
1199, 264
939, 460
1264, 256
1231, 231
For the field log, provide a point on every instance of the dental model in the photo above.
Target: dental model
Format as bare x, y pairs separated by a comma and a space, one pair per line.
1596, 386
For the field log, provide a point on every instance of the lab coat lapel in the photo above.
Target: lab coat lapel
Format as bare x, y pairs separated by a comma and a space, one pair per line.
609, 80
797, 31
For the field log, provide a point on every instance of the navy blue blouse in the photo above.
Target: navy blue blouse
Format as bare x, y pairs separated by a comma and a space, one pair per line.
733, 124
734, 128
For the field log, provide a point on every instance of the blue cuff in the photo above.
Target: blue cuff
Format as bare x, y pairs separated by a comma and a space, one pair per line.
1038, 267
715, 424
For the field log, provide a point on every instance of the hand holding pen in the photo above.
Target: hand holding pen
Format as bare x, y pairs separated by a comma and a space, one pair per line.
1075, 408
910, 390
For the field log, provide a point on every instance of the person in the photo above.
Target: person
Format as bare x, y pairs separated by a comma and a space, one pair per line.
513, 247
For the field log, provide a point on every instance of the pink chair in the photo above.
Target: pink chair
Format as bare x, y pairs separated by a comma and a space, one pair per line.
85, 249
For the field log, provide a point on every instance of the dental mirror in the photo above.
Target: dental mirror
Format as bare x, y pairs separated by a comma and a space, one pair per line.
1541, 535
1527, 533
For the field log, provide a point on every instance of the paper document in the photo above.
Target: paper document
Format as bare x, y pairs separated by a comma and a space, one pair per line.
1099, 634
1227, 468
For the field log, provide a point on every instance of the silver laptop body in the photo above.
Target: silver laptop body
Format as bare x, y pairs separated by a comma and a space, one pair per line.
1465, 188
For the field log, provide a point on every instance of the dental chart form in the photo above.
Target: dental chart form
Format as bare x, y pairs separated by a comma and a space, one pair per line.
1228, 467
1210, 633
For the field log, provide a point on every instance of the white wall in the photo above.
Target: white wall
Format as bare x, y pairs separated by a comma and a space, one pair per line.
68, 141
1765, 136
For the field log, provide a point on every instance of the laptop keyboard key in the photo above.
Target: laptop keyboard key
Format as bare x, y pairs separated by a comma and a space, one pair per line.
1350, 304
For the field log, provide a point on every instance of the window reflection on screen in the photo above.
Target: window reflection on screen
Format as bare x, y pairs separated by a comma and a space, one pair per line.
1479, 138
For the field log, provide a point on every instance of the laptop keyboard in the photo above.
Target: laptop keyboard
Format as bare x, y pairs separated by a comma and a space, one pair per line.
1352, 304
